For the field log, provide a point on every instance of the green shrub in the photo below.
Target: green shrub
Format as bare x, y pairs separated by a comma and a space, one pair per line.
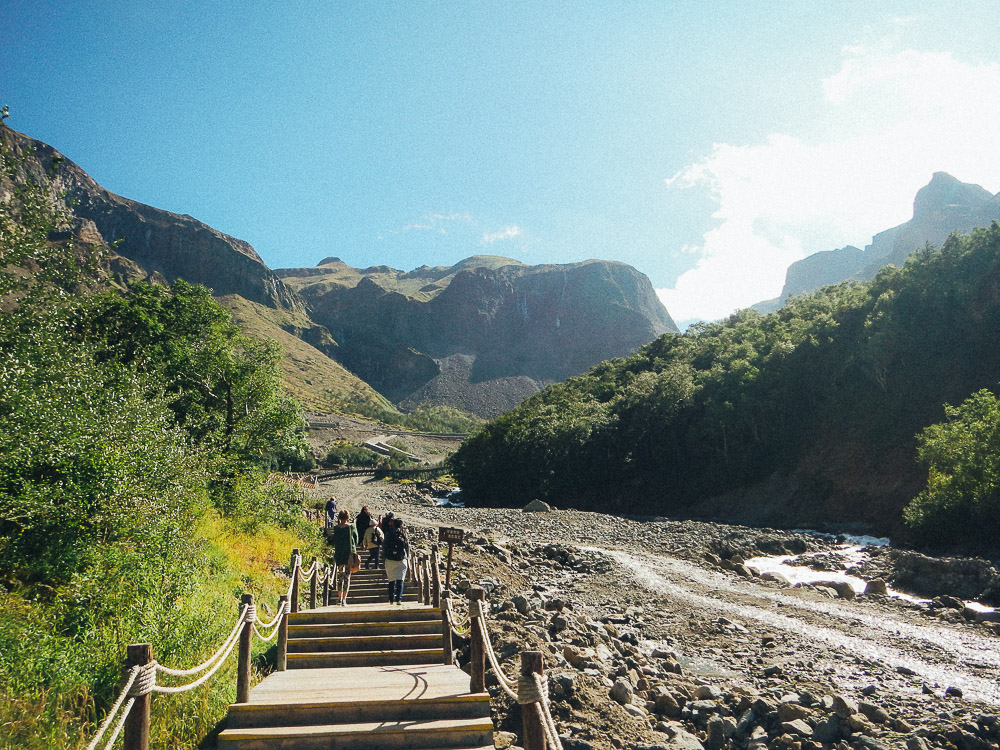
344, 453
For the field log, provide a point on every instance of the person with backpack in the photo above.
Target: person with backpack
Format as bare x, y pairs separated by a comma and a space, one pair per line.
397, 550
331, 512
373, 543
345, 544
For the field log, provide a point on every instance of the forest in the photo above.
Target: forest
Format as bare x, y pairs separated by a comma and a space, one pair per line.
727, 405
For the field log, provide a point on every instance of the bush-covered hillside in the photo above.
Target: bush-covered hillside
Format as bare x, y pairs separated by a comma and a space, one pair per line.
137, 430
854, 370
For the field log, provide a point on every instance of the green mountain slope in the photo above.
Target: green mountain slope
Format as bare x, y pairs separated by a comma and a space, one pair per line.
804, 416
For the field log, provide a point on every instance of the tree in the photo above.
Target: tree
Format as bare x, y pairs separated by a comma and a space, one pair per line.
962, 501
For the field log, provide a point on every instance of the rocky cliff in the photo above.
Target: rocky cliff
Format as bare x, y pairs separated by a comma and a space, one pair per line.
487, 325
943, 206
163, 244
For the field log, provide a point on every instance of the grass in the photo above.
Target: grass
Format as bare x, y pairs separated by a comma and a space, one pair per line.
55, 689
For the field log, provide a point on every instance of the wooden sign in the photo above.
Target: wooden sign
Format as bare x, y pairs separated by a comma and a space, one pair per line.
450, 535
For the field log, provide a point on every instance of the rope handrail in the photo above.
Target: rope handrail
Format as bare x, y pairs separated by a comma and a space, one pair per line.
541, 689
244, 612
133, 673
505, 682
282, 611
310, 572
532, 688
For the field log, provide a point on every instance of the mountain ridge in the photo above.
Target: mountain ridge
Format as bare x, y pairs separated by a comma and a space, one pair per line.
405, 325
942, 206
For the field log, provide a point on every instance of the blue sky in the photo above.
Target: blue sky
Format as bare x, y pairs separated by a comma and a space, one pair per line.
707, 144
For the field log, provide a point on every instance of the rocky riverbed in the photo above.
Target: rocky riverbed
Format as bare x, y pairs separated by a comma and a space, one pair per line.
656, 634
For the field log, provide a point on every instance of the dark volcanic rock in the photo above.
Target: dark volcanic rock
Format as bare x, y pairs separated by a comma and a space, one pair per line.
516, 326
165, 245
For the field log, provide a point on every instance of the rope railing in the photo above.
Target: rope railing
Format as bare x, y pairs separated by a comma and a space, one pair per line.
530, 688
130, 712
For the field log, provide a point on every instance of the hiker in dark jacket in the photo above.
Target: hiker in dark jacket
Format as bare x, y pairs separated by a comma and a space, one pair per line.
397, 552
345, 543
363, 520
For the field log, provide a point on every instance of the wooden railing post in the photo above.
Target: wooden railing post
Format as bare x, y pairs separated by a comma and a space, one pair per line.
313, 582
137, 723
446, 627
435, 577
295, 579
425, 584
477, 653
243, 658
326, 585
533, 734
282, 658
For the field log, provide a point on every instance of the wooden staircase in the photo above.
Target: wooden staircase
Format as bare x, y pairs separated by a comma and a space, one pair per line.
368, 676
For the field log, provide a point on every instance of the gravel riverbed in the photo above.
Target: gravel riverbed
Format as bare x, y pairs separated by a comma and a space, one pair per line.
656, 635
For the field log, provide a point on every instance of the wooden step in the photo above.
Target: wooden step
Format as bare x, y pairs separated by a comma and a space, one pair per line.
468, 706
365, 643
334, 614
384, 735
374, 658
356, 629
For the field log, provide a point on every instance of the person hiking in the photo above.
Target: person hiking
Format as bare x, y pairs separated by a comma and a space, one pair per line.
363, 519
373, 543
331, 512
397, 550
386, 522
345, 543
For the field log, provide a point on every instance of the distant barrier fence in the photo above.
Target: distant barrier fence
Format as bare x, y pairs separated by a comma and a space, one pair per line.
426, 472
332, 424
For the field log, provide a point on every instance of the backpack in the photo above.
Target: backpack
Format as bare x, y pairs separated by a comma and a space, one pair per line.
395, 547
376, 537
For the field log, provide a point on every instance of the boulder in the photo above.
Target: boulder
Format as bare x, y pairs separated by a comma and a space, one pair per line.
537, 506
622, 691
876, 587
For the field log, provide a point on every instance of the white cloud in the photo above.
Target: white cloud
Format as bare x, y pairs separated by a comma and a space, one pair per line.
507, 233
894, 118
434, 222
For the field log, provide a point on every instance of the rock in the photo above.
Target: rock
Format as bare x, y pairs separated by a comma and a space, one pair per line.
622, 691
522, 604
843, 588
953, 692
915, 742
666, 704
683, 740
537, 506
875, 713
503, 740
828, 730
773, 671
634, 710
797, 728
844, 707
876, 587
707, 692
792, 711
948, 602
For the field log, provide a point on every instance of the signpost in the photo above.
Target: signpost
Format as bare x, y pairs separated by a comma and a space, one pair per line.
450, 535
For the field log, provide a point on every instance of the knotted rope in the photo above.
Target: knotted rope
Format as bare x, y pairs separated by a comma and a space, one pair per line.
536, 691
505, 682
132, 676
